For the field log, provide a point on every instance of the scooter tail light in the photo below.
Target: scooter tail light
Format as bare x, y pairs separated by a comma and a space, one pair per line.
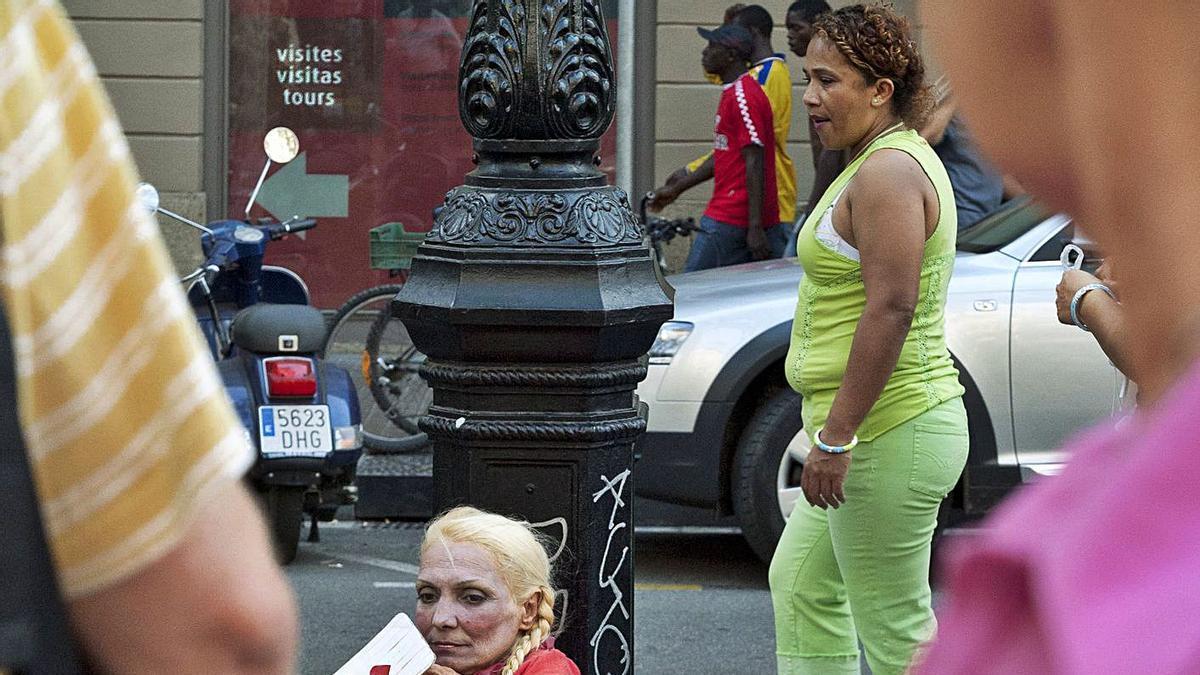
290, 377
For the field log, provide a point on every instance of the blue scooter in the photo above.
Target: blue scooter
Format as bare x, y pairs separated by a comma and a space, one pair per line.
265, 336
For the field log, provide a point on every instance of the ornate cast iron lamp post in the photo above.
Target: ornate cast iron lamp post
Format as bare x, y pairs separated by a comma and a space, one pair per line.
534, 298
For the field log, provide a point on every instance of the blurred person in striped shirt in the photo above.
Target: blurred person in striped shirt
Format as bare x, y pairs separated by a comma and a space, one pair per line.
162, 557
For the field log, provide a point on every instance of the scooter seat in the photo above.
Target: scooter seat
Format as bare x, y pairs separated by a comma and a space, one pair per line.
279, 329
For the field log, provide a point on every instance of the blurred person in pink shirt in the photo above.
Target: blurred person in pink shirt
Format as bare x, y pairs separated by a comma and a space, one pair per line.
1097, 111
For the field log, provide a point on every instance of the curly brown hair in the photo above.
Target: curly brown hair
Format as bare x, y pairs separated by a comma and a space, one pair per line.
878, 42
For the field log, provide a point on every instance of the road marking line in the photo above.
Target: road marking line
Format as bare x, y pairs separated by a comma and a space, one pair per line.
395, 584
685, 529
374, 525
638, 529
340, 525
381, 563
667, 587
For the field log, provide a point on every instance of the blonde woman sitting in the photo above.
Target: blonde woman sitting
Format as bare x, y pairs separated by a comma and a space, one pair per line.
484, 600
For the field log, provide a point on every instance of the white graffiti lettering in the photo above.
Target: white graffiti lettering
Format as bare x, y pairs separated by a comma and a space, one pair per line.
607, 631
558, 529
562, 540
562, 601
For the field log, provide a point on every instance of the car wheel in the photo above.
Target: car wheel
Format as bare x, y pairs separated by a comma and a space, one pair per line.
766, 471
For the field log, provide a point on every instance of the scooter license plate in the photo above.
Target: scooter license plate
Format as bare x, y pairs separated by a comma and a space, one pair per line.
295, 430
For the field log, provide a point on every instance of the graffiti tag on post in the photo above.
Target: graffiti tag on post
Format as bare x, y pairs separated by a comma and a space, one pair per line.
610, 637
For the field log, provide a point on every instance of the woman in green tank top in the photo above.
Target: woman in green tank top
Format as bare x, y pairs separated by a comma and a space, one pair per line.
880, 394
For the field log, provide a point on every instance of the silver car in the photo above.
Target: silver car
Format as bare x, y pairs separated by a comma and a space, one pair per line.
724, 427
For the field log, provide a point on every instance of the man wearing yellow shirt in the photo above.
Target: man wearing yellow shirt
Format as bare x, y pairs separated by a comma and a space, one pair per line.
159, 550
771, 71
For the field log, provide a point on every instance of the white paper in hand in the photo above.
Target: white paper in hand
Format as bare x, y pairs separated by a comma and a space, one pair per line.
398, 649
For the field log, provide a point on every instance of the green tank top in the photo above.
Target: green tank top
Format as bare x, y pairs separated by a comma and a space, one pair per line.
832, 298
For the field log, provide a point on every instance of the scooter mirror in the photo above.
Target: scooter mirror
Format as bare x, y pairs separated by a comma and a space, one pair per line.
147, 196
281, 145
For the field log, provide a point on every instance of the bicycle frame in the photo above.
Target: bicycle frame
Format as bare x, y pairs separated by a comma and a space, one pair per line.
662, 230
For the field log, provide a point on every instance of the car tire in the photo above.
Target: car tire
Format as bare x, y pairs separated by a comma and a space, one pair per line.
763, 470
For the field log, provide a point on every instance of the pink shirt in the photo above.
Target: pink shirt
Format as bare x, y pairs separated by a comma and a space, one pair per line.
1094, 571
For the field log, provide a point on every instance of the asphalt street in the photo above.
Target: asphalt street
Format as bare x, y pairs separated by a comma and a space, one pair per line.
701, 596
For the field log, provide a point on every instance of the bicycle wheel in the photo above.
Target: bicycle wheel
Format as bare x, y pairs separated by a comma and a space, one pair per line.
394, 373
346, 346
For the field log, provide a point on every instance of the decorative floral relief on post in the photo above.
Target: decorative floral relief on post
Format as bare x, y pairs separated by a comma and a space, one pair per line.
587, 217
609, 220
461, 218
491, 70
577, 74
528, 216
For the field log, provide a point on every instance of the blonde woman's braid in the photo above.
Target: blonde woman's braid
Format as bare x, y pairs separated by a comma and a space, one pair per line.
534, 637
519, 651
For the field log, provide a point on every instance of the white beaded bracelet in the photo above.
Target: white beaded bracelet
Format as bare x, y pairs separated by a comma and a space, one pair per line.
1079, 298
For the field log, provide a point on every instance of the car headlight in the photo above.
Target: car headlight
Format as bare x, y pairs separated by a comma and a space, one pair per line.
670, 339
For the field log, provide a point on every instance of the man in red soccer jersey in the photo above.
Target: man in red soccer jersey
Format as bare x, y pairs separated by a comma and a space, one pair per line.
741, 221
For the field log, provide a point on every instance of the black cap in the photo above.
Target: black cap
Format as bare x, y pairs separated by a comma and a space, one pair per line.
730, 35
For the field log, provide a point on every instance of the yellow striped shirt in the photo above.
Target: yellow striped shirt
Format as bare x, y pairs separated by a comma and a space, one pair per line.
127, 425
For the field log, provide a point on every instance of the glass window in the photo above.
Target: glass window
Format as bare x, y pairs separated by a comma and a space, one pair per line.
1052, 250
1001, 228
371, 88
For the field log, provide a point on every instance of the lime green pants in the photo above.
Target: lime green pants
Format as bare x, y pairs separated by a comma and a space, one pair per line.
861, 572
